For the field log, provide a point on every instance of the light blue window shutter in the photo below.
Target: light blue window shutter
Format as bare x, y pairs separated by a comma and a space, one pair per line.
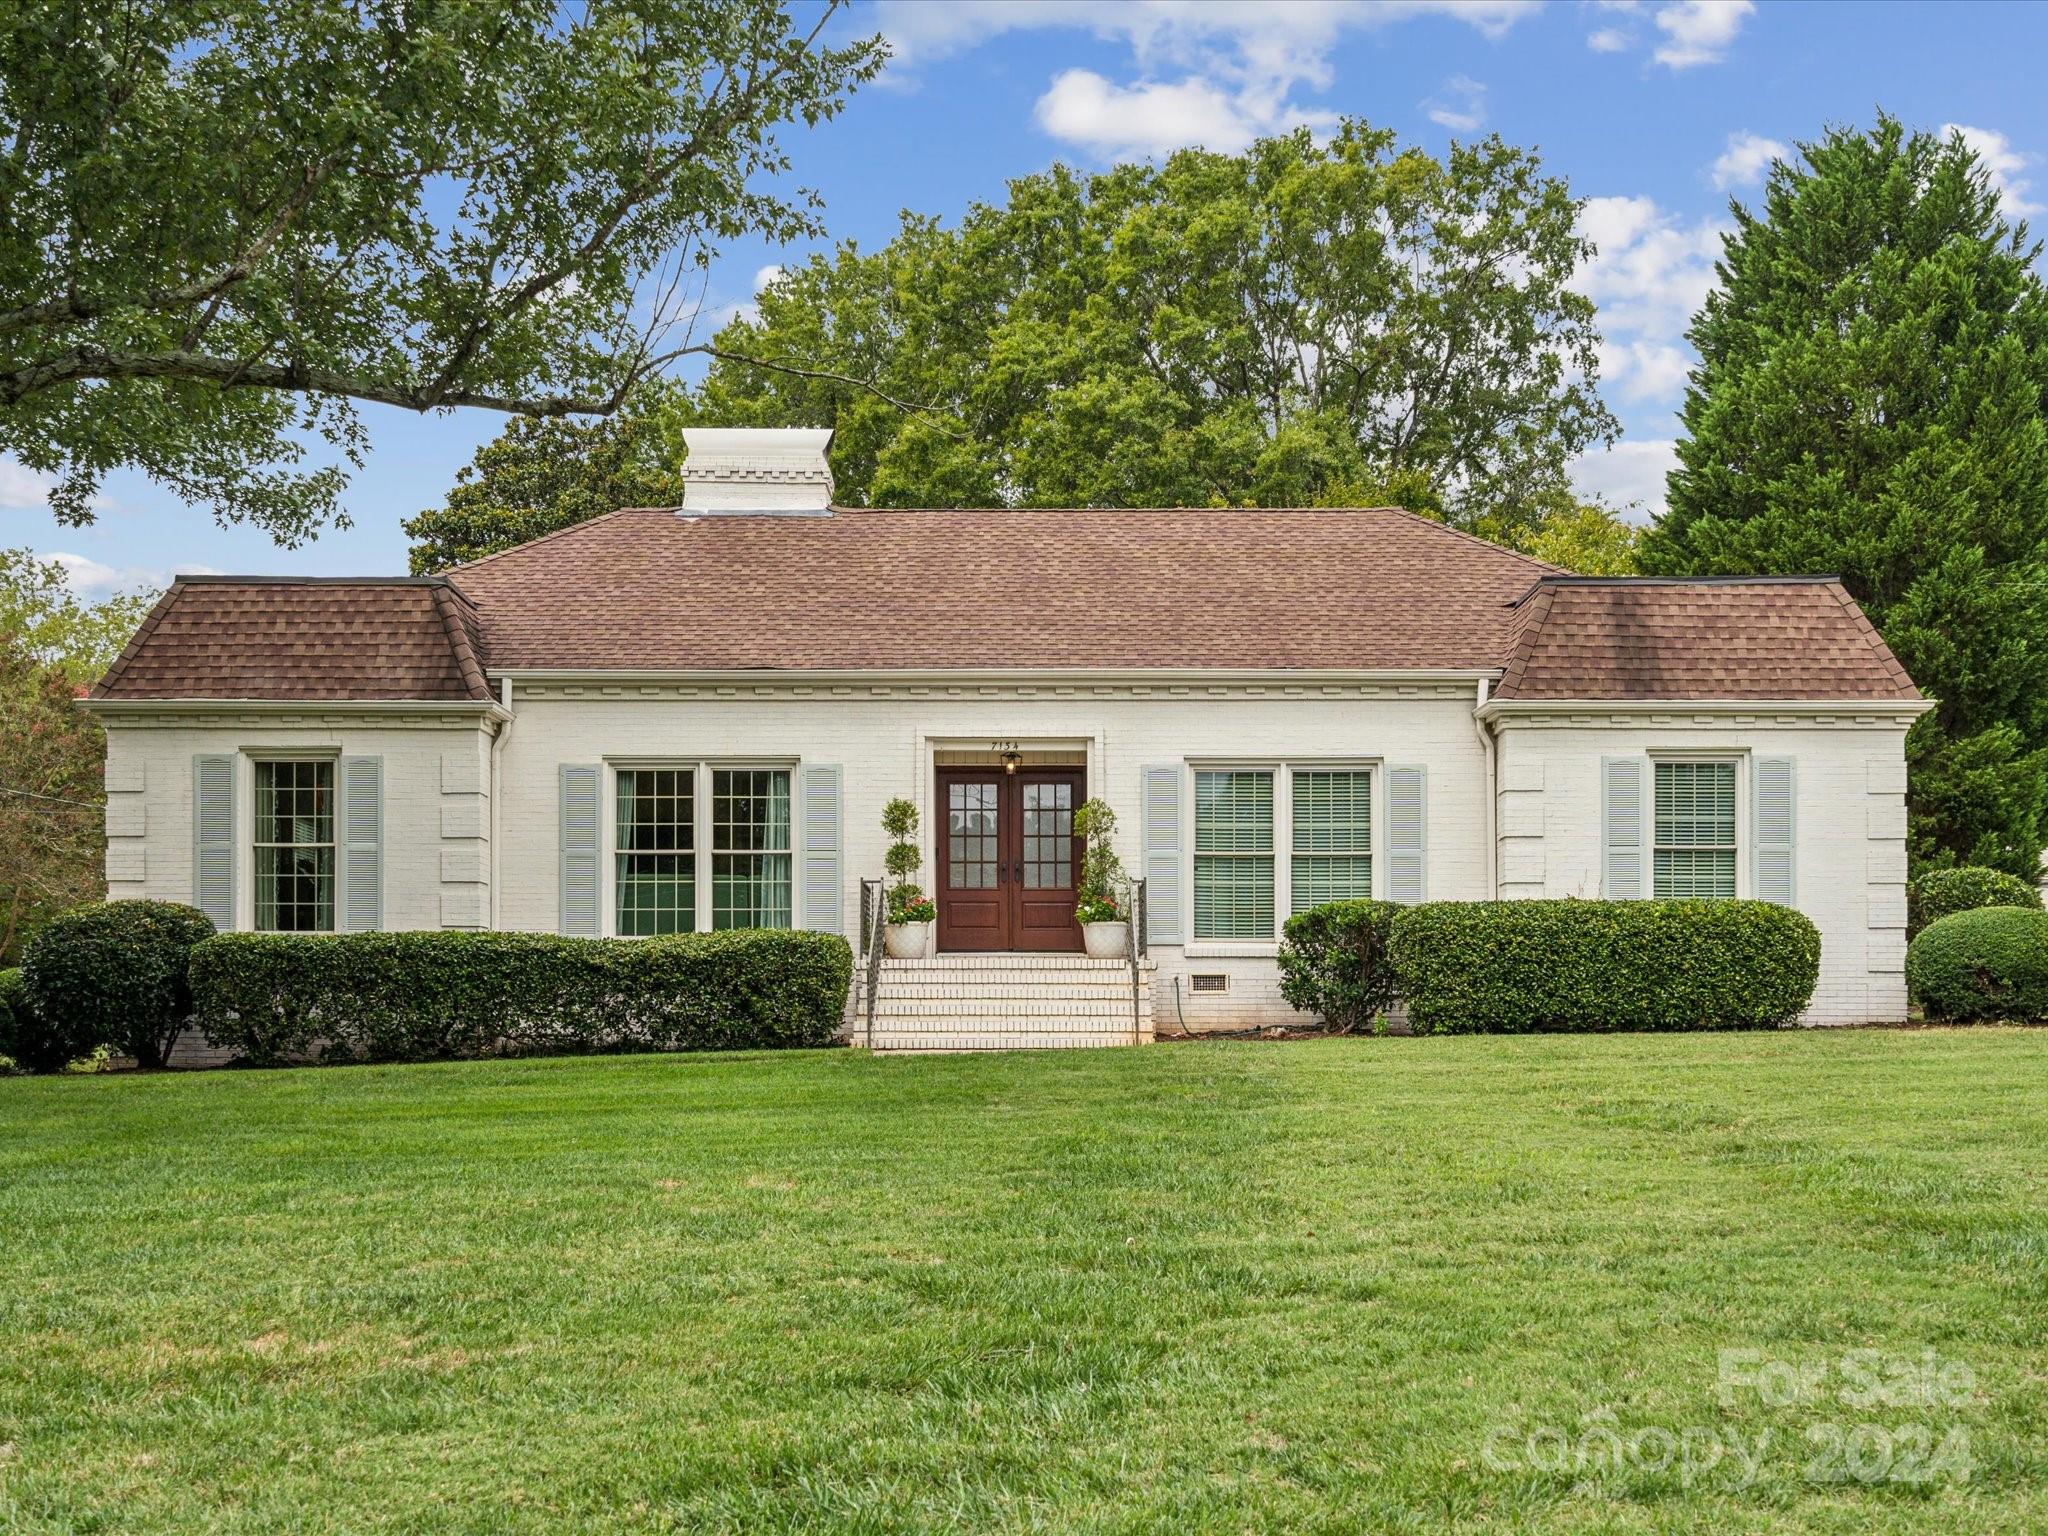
213, 839
1407, 835
823, 882
362, 844
579, 849
1773, 815
1165, 907
1621, 828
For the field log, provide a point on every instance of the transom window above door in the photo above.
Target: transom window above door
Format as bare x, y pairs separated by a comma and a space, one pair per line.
1307, 831
662, 821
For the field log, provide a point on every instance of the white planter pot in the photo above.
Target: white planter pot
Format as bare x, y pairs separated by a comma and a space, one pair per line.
905, 941
1106, 941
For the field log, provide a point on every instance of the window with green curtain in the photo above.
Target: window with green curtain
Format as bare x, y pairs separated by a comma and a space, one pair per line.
656, 848
750, 852
295, 846
1332, 844
1234, 854
1694, 847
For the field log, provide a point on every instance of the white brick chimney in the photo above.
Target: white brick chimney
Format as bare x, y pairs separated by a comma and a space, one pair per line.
780, 471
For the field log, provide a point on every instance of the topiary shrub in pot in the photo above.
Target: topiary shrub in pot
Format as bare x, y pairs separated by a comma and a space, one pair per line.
907, 925
1334, 962
110, 973
1942, 893
1102, 904
1991, 963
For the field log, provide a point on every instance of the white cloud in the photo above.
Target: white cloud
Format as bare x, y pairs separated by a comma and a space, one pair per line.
1650, 274
1217, 74
763, 276
92, 579
1747, 157
2004, 163
1630, 475
1461, 107
22, 489
1150, 118
1608, 40
1699, 31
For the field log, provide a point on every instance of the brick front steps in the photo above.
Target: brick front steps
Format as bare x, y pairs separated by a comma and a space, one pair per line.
1004, 1002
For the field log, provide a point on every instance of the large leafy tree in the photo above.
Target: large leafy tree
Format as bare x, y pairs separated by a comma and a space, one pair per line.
52, 804
225, 222
1220, 329
57, 629
1869, 401
538, 476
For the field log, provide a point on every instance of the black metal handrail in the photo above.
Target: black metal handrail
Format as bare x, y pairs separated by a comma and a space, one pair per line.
874, 899
1134, 920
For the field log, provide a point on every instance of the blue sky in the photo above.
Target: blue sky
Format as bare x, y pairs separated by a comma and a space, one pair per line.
1656, 112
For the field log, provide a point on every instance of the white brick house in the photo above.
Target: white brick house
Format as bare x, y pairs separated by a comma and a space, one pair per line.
691, 718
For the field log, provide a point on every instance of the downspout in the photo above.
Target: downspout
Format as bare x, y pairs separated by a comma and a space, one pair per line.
497, 787
1492, 810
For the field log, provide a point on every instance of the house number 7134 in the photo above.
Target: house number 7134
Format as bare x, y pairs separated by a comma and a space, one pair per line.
1002, 746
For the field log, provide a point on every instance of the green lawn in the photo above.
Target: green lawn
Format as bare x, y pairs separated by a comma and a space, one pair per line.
1331, 1286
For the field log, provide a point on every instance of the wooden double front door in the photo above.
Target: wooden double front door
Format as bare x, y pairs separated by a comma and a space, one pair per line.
1008, 858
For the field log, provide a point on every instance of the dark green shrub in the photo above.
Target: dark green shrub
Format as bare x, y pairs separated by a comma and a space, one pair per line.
1507, 967
1944, 892
445, 996
1334, 963
1988, 964
12, 1003
109, 973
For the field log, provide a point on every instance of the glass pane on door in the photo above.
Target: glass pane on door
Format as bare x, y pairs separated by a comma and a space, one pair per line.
971, 836
1048, 837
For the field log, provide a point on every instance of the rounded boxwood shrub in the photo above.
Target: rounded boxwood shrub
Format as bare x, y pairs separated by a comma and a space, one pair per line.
1334, 964
1510, 967
447, 996
1988, 964
109, 973
1944, 892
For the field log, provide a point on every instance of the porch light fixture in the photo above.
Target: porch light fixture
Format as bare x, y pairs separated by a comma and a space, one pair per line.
1011, 760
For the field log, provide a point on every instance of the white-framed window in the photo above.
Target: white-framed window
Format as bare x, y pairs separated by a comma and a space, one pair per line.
1693, 849
699, 846
294, 845
1272, 839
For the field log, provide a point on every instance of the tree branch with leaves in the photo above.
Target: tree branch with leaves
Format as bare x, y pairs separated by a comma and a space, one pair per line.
226, 225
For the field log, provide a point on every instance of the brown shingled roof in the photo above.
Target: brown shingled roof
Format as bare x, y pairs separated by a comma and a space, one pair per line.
241, 638
649, 589
1582, 637
1374, 589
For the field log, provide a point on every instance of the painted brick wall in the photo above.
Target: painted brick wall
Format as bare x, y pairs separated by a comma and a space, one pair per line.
438, 797
1849, 818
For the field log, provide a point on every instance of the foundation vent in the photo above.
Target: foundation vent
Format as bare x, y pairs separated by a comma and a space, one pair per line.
1209, 981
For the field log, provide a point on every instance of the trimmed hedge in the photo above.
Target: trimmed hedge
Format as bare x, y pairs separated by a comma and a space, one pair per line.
1991, 963
1512, 967
108, 973
1333, 962
1944, 892
448, 996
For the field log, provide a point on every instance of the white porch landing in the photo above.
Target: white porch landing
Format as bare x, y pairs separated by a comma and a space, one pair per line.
1004, 1002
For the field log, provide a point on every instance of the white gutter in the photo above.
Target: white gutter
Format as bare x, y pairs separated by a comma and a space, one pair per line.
117, 707
497, 785
1191, 677
1492, 811
1510, 709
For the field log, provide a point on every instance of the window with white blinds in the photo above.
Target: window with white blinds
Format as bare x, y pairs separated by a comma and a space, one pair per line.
1234, 854
1693, 848
1332, 842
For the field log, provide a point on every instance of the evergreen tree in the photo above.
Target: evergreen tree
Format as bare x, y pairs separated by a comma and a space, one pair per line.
1869, 401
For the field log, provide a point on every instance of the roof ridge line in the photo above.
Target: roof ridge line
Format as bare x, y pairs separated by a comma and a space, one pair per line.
542, 538
142, 633
467, 663
1879, 648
